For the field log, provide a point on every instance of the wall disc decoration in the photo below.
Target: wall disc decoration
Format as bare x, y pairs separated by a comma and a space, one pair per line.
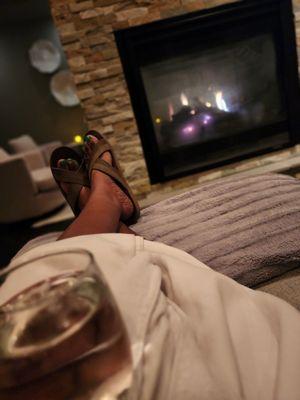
63, 89
44, 56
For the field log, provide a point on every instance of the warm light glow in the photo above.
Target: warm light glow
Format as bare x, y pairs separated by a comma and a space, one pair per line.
184, 99
221, 104
78, 139
208, 104
158, 120
193, 112
171, 111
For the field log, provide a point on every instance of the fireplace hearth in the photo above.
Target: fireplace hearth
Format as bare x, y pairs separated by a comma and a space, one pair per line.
214, 86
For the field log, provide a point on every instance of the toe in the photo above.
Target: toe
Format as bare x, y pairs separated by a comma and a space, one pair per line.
62, 163
72, 164
69, 164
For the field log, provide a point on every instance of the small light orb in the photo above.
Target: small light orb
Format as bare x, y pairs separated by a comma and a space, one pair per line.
207, 119
78, 139
193, 112
208, 104
158, 120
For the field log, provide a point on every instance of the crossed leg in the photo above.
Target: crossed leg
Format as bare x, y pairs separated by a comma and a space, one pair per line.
101, 206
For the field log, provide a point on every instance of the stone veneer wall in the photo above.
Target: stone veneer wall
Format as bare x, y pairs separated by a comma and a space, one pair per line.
86, 31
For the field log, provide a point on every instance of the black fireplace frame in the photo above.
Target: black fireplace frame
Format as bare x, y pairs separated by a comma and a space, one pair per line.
225, 20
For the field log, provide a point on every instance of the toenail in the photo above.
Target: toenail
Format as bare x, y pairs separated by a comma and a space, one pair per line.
62, 162
72, 163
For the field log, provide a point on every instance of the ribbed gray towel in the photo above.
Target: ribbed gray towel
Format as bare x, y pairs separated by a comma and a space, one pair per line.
246, 228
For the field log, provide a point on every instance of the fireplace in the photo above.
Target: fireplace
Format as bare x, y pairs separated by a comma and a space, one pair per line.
214, 86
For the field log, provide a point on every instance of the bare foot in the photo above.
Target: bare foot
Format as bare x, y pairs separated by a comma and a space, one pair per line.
101, 182
72, 165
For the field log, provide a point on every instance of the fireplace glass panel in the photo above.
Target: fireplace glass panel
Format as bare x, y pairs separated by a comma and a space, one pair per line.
204, 95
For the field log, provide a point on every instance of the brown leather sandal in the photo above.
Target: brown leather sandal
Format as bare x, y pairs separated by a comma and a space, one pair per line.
75, 179
113, 171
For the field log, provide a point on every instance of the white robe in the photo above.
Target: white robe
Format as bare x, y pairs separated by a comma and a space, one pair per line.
195, 334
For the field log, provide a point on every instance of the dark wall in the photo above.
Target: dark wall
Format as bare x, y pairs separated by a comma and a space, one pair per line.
26, 104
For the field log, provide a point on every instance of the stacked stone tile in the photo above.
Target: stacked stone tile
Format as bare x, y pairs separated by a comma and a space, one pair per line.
86, 31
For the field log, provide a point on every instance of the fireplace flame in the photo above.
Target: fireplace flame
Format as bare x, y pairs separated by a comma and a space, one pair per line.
184, 99
221, 103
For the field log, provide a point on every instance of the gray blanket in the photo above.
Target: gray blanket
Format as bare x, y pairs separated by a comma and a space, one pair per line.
248, 229
287, 287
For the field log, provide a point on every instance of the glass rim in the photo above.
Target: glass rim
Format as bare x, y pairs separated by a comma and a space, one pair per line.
45, 298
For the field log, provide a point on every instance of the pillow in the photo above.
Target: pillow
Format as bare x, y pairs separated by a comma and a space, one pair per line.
244, 227
22, 143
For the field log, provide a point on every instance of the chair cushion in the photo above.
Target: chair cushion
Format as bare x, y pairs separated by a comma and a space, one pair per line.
3, 155
44, 179
22, 143
244, 227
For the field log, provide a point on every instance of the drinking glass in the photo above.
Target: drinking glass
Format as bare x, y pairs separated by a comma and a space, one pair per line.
61, 333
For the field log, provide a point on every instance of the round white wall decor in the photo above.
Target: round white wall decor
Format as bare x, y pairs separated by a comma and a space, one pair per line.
44, 56
63, 89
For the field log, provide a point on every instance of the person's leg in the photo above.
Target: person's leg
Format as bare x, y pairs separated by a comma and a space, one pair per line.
101, 208
124, 229
101, 213
72, 165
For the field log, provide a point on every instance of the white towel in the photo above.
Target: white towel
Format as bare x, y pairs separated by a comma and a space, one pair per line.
196, 334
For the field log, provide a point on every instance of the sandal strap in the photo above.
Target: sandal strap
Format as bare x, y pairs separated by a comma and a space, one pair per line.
72, 197
103, 166
115, 174
113, 171
101, 148
75, 179
66, 176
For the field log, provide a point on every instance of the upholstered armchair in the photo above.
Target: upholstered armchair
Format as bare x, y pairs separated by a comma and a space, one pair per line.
26, 143
28, 189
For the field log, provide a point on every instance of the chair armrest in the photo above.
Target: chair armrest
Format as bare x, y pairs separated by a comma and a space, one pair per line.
34, 159
48, 148
16, 180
